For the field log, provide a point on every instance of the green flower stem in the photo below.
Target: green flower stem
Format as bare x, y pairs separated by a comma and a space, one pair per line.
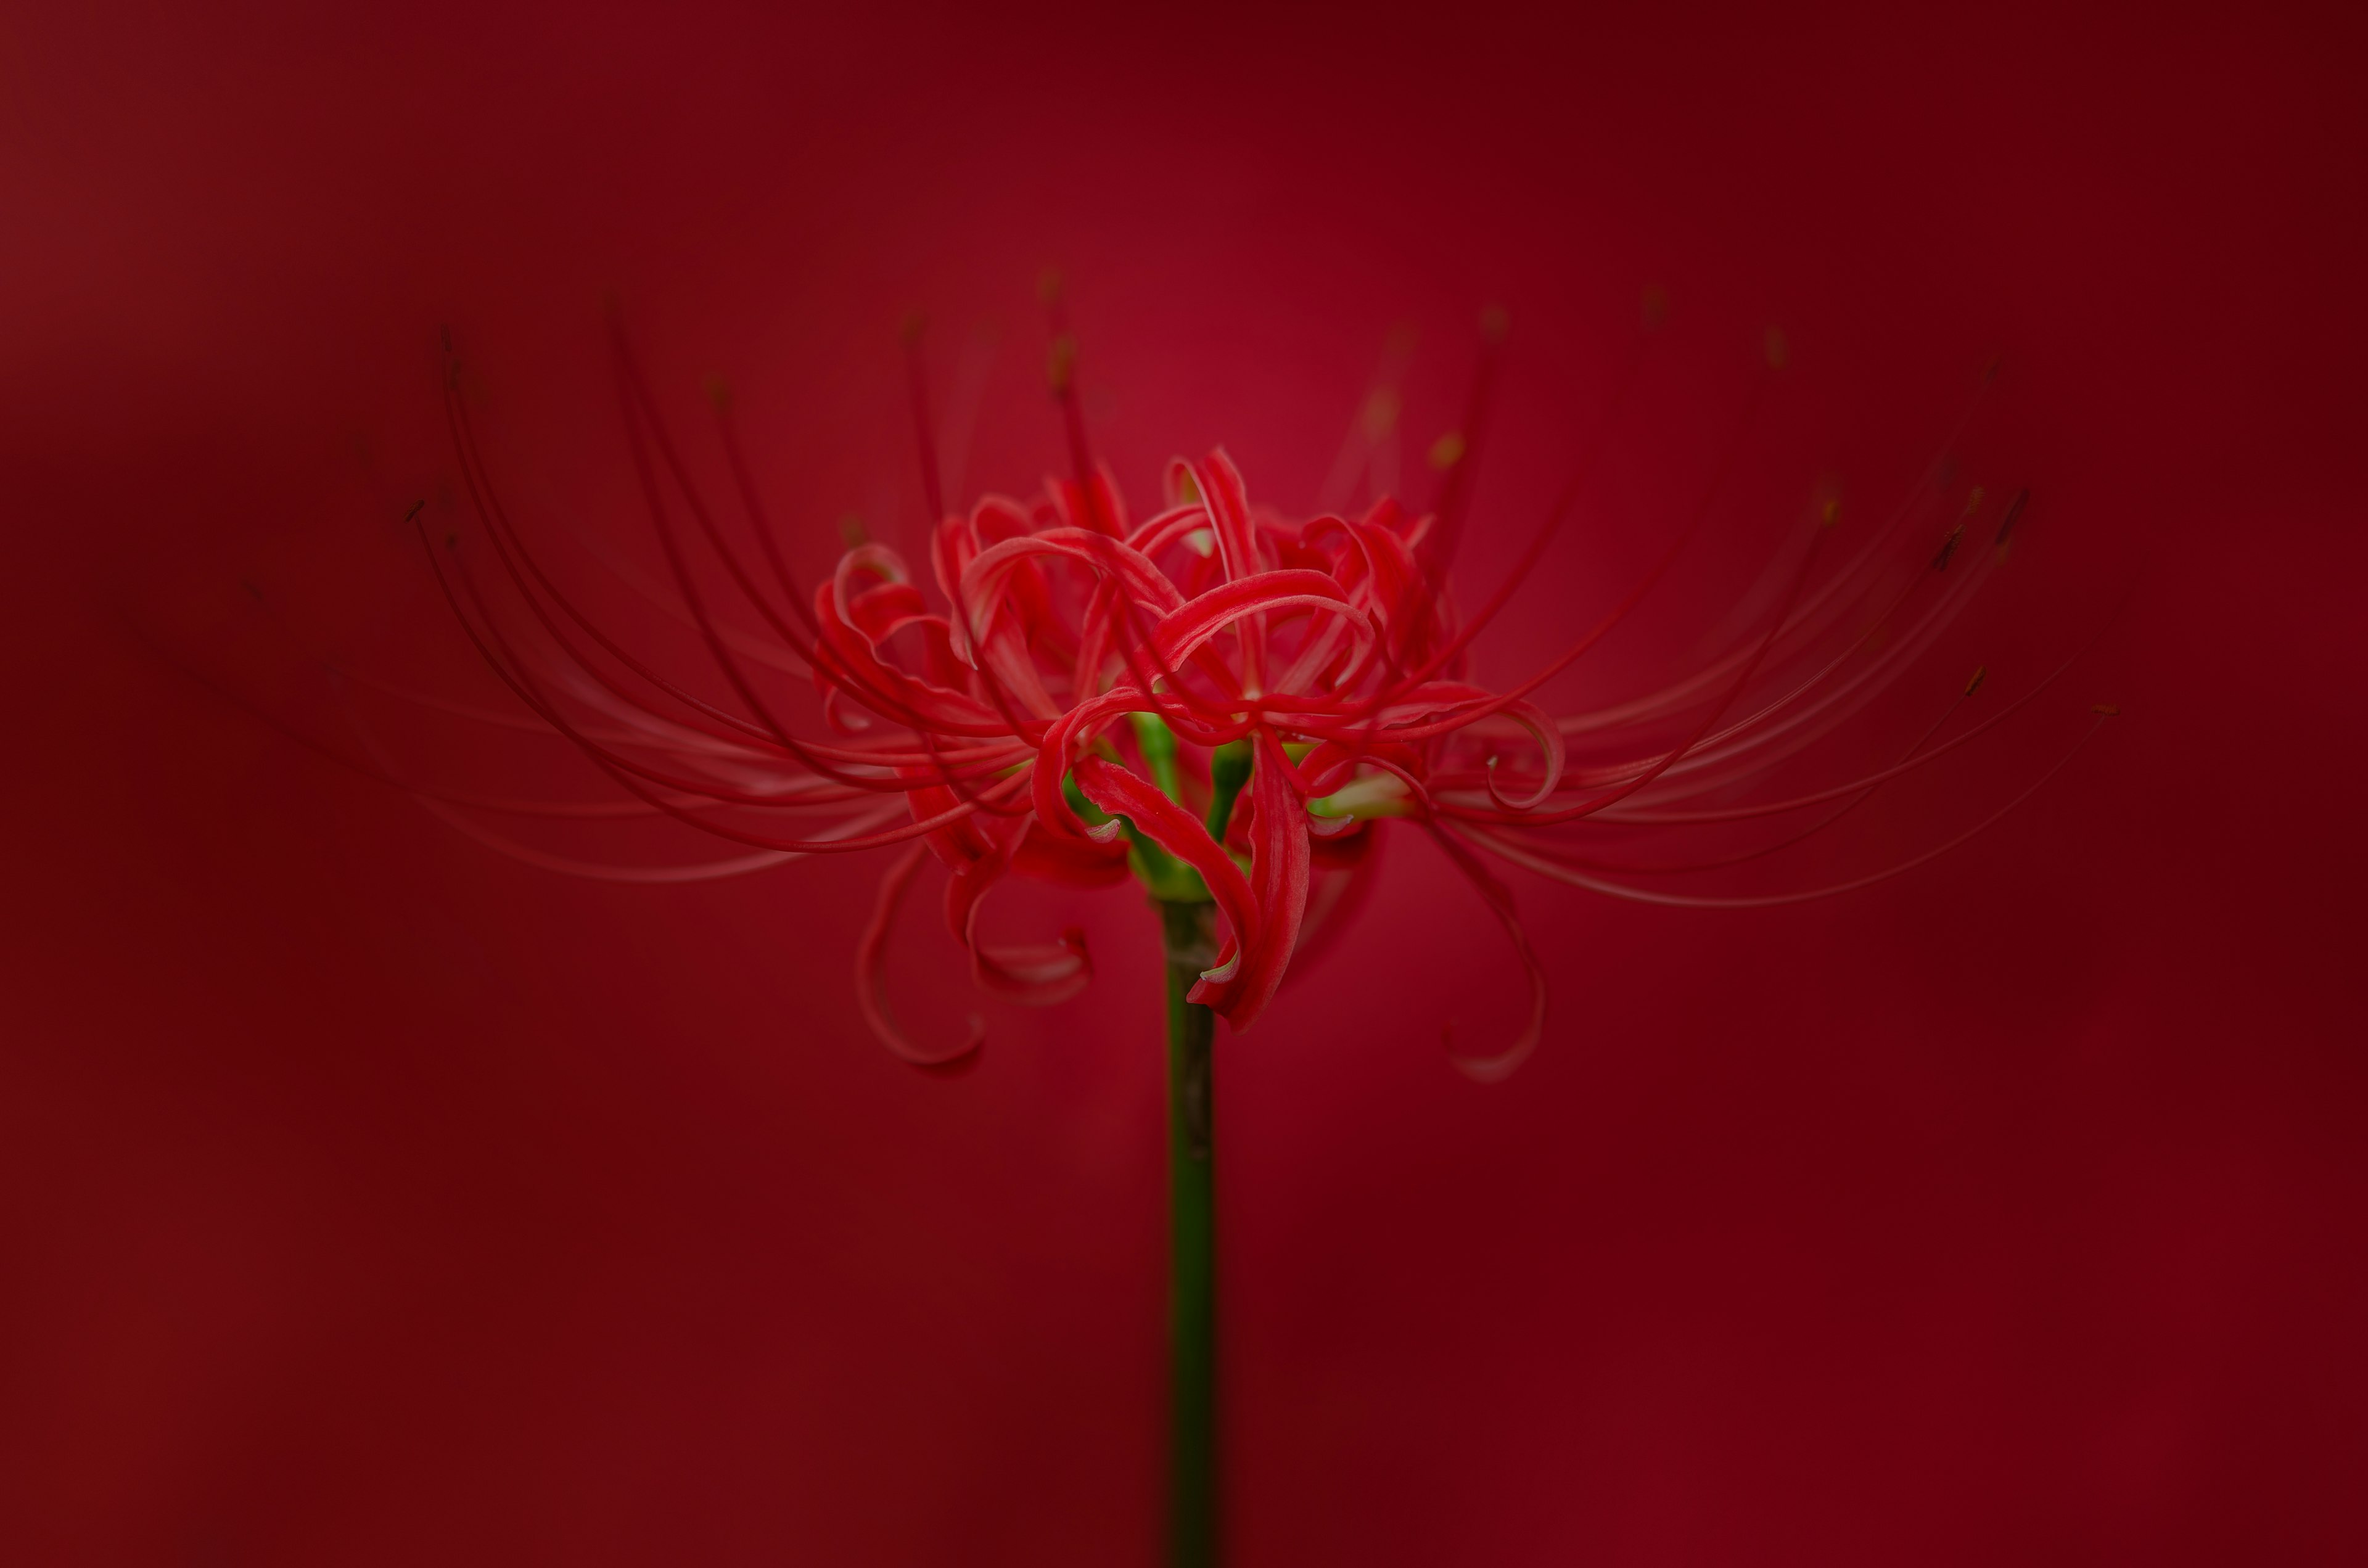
1191, 931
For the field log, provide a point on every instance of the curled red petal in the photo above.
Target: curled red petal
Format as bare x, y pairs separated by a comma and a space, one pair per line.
1227, 498
1496, 1068
870, 989
1035, 974
1185, 629
1279, 880
1122, 792
1542, 729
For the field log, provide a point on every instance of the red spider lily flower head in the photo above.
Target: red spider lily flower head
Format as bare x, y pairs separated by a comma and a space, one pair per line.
1222, 702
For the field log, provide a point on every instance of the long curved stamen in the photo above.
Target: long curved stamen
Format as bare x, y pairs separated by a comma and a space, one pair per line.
870, 981
519, 564
1622, 792
735, 459
628, 774
636, 396
1524, 856
1496, 1069
1526, 563
918, 392
637, 399
1620, 611
1762, 851
1660, 818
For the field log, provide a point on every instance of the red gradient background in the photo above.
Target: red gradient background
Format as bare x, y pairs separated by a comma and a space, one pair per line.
368, 1199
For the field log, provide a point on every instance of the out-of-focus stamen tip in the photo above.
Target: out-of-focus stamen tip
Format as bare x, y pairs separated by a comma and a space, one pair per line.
1496, 322
1657, 306
417, 508
2106, 710
1981, 674
718, 393
2013, 515
1832, 514
1779, 350
1448, 450
909, 330
852, 532
1061, 364
1049, 284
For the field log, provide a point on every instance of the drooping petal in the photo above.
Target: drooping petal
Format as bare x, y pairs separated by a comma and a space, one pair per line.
871, 978
1122, 792
1036, 974
1278, 859
1336, 894
1550, 744
1496, 1068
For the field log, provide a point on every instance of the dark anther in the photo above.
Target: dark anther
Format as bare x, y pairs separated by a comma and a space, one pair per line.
417, 508
1948, 548
2013, 512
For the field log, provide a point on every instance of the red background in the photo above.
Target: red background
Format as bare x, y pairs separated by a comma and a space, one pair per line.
370, 1199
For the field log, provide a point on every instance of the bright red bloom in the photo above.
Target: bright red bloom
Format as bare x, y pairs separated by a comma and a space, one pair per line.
1226, 701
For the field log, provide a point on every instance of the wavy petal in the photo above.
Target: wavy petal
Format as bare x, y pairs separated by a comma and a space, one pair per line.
1496, 1069
1122, 792
870, 978
1184, 630
1278, 877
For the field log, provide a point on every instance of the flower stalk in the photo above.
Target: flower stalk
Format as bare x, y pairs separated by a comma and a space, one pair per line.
1192, 944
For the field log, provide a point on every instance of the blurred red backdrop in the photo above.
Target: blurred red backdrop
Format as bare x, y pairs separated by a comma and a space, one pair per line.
371, 1198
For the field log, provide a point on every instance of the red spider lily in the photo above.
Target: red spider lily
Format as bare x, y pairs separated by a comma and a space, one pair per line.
1222, 702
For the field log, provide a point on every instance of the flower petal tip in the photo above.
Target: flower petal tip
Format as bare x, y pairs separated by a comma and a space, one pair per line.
1486, 1069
